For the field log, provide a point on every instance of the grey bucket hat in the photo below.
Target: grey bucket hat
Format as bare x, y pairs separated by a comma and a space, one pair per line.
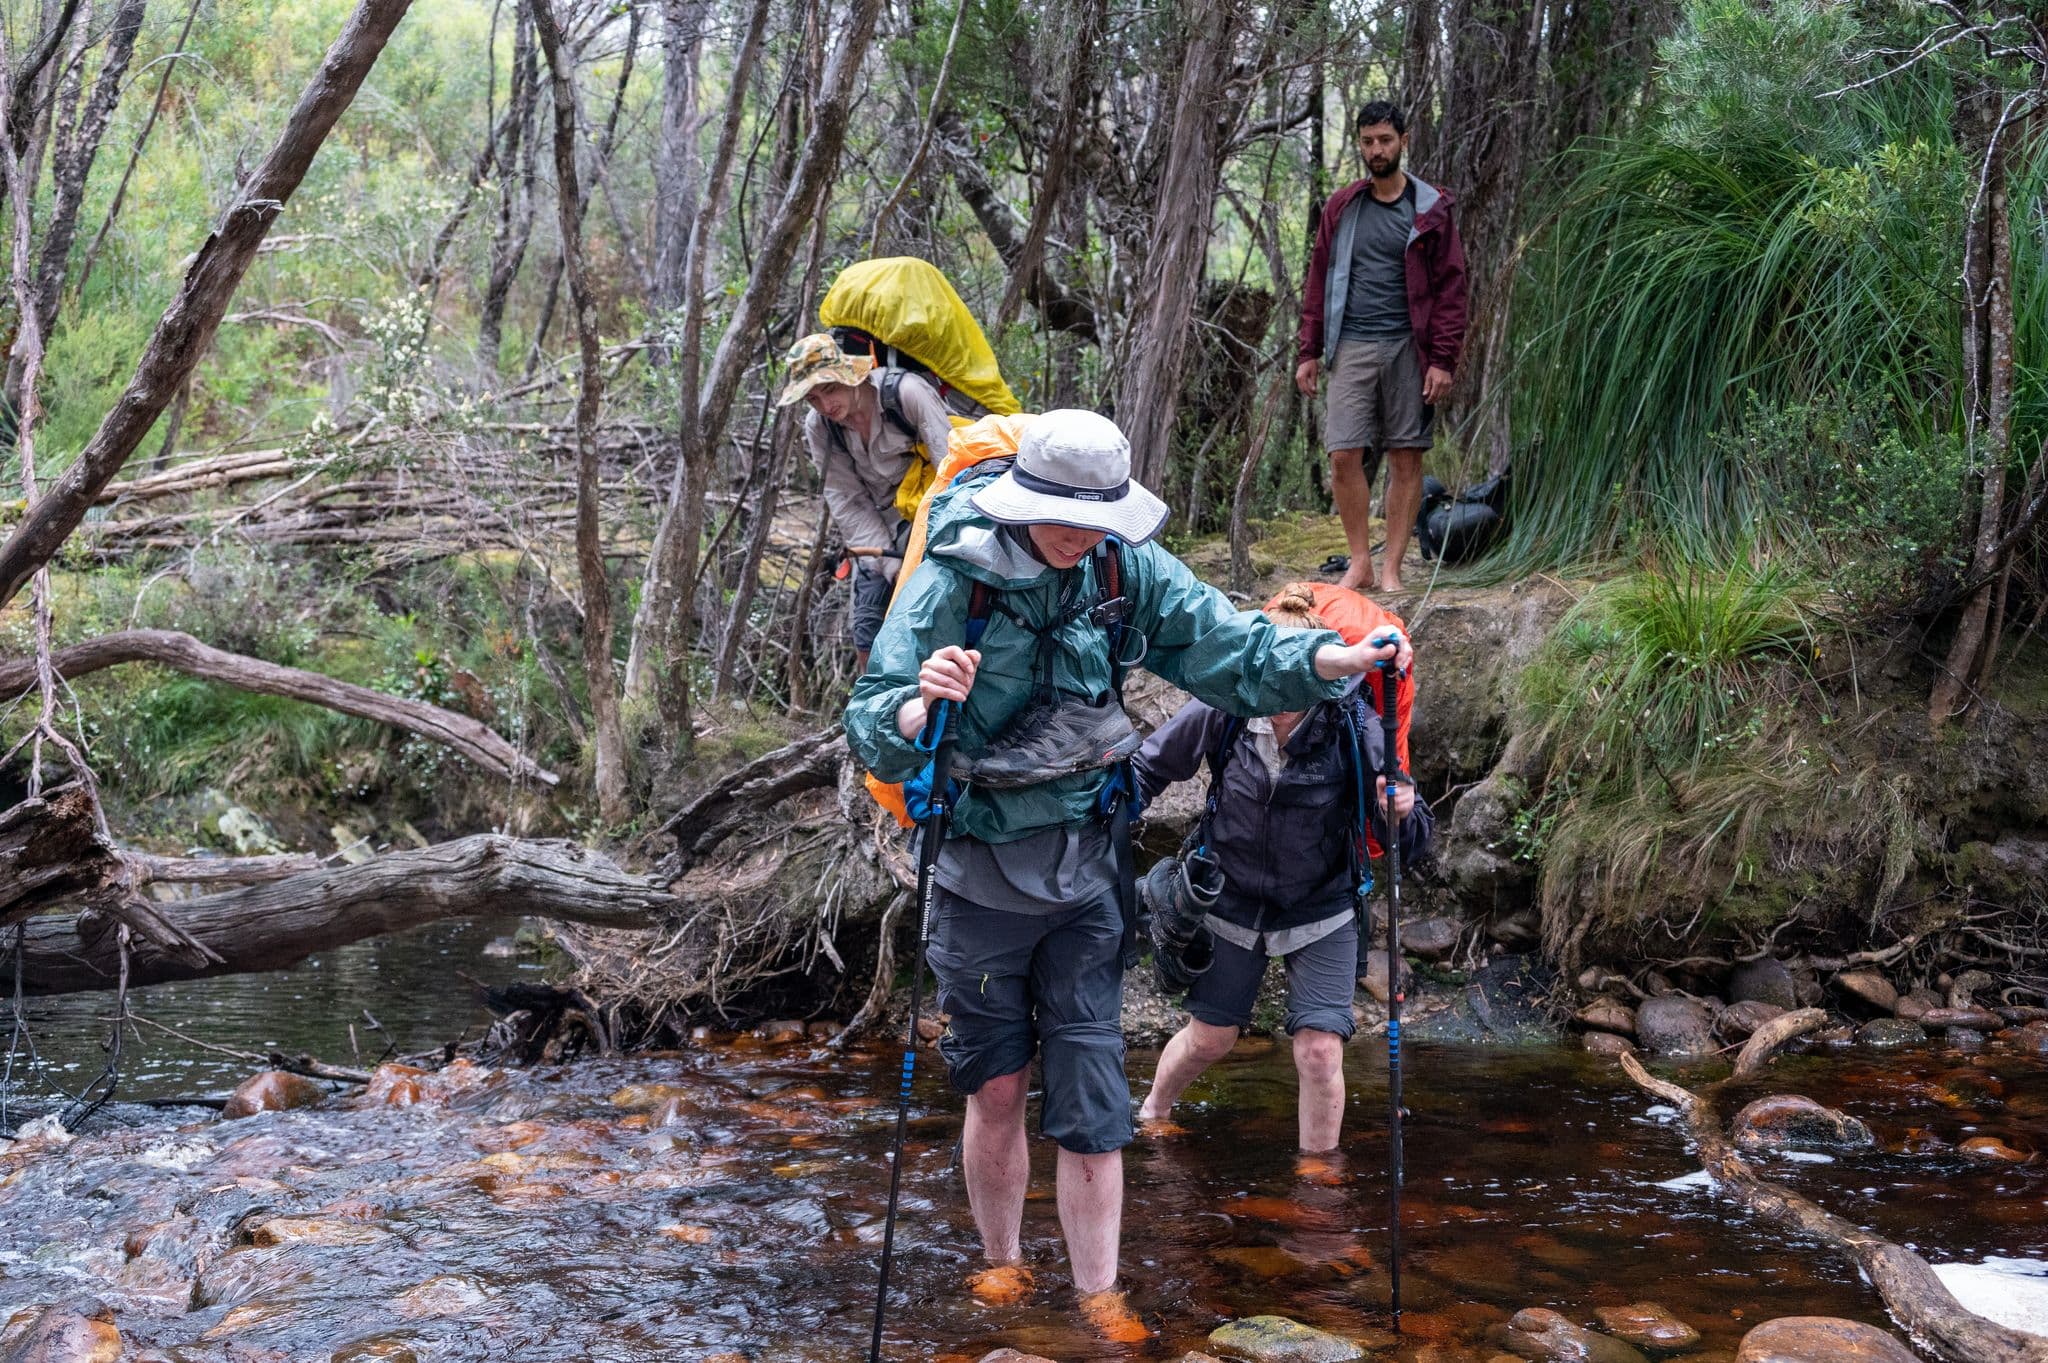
1074, 468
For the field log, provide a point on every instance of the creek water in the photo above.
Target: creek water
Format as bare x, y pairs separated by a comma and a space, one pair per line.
727, 1199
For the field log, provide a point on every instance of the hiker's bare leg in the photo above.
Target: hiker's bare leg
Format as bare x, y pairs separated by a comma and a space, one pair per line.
1404, 500
1193, 1049
1352, 491
1319, 1065
997, 1162
1091, 1197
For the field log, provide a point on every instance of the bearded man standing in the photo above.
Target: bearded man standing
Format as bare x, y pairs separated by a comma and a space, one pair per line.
1383, 310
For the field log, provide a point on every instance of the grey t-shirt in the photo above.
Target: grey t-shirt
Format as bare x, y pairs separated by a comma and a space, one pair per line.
1376, 297
1040, 873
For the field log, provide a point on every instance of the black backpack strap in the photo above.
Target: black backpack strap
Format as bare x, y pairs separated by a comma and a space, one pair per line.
891, 390
1217, 758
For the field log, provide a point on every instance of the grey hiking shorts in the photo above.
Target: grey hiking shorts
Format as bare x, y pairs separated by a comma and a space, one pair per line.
1374, 400
1015, 984
1320, 979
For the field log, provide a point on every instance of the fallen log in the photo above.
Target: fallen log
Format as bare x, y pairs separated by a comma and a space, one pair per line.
51, 849
742, 798
183, 653
1912, 1292
275, 925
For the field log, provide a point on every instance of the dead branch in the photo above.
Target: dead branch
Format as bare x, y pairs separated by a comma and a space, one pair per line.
1768, 1039
275, 925
183, 653
738, 799
187, 327
1915, 1296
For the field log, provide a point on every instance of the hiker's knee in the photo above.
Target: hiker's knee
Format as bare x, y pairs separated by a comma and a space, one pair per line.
1207, 1042
1348, 461
1318, 1055
1405, 464
1087, 1096
1001, 1098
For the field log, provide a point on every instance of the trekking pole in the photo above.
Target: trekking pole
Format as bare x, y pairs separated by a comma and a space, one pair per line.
937, 739
1390, 767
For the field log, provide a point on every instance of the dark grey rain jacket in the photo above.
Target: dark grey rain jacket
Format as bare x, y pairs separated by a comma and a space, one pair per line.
1284, 842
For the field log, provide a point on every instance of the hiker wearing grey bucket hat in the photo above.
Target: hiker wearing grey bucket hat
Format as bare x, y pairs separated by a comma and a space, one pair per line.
1039, 589
1073, 469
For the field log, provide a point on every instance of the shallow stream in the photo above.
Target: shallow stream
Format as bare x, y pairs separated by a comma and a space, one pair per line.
728, 1199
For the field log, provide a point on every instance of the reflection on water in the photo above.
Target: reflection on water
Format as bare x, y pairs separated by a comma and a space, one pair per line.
729, 1199
411, 982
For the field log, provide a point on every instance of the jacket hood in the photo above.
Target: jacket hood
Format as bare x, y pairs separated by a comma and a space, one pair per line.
975, 546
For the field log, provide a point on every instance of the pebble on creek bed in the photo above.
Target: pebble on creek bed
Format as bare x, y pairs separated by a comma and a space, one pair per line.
1821, 1339
1276, 1339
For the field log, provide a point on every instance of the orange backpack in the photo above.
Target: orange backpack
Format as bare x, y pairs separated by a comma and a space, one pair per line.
1355, 617
992, 437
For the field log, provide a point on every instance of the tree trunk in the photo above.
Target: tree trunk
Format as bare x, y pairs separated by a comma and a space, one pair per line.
156, 109
667, 613
278, 924
70, 171
676, 183
51, 849
1177, 255
1988, 375
1059, 308
516, 197
187, 326
183, 653
600, 160
1087, 36
595, 584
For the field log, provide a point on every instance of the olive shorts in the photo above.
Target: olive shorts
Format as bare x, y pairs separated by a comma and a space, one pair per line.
1015, 984
1374, 400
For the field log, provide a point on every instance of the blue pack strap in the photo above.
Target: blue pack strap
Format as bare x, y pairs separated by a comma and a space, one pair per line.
917, 791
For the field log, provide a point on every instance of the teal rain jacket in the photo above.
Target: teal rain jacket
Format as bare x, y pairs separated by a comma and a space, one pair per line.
1237, 661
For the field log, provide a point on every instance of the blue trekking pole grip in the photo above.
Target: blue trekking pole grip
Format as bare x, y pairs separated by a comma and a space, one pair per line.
1390, 768
937, 739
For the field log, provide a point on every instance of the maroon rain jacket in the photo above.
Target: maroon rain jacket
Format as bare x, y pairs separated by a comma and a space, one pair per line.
1436, 277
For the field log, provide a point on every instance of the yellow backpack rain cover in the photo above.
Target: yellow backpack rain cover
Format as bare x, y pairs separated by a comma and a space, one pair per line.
907, 303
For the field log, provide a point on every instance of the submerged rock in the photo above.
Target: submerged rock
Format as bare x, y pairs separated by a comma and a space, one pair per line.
1992, 1148
1766, 980
1607, 1043
1012, 1356
1673, 1024
1788, 1121
79, 1331
1887, 1033
781, 1032
1820, 1339
1547, 1337
1647, 1325
1276, 1339
273, 1091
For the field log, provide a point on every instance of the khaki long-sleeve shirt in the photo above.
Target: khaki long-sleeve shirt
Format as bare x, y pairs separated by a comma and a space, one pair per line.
861, 476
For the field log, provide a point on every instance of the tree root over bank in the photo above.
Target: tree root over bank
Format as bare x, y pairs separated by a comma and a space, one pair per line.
277, 924
1915, 1296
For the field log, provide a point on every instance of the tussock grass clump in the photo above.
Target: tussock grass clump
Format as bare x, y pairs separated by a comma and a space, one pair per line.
1669, 703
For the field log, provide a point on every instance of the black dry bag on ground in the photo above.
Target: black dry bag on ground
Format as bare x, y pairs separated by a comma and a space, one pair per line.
1458, 529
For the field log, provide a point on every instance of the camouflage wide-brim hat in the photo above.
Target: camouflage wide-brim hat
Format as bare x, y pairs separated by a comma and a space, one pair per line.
818, 359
